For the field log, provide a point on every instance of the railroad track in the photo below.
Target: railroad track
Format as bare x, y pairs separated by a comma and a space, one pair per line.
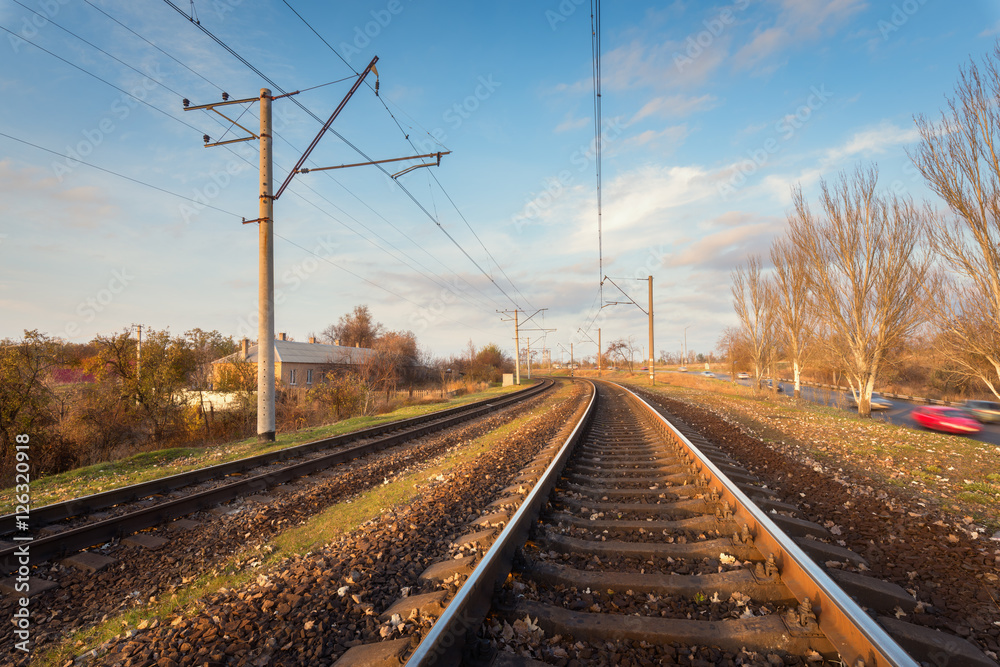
647, 544
71, 526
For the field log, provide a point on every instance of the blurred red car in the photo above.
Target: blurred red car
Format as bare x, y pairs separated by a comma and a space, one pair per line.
944, 418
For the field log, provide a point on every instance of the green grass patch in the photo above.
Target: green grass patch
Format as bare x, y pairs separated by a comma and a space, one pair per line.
319, 530
976, 498
981, 487
147, 466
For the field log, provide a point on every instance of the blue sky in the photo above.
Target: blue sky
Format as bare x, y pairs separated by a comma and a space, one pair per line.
711, 113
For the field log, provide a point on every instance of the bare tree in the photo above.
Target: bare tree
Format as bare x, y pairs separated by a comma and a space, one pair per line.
356, 328
792, 304
754, 304
734, 346
958, 157
622, 350
866, 269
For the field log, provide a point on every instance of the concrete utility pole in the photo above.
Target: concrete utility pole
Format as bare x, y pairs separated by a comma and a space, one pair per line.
686, 345
597, 343
517, 341
138, 354
649, 313
517, 350
572, 363
266, 423
652, 356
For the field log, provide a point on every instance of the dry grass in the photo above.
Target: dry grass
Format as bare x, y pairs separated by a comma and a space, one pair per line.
151, 465
321, 529
951, 473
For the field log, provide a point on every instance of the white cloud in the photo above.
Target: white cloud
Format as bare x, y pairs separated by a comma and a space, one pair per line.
570, 123
727, 248
674, 105
797, 22
672, 137
990, 31
873, 141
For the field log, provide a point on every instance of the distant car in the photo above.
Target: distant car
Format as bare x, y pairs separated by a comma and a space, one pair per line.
708, 374
878, 403
945, 419
771, 384
986, 412
683, 369
742, 376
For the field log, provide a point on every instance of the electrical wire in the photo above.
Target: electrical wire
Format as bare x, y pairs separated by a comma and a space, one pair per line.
106, 82
180, 196
595, 47
227, 129
342, 138
102, 80
115, 173
373, 284
407, 192
164, 190
152, 44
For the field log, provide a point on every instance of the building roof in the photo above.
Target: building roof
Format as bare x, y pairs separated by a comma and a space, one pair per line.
288, 351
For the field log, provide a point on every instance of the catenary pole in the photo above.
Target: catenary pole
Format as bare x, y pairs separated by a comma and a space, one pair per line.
652, 356
266, 425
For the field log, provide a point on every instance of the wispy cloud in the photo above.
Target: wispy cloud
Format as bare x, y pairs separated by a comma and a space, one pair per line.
672, 136
674, 105
872, 141
569, 123
797, 22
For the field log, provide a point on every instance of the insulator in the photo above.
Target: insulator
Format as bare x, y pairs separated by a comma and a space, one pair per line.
376, 87
225, 96
206, 138
186, 102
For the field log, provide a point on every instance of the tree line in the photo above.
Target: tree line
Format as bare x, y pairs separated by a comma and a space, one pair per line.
869, 279
83, 403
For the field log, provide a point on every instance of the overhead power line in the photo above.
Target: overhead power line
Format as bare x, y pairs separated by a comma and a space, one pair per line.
402, 187
595, 47
115, 173
433, 218
102, 80
248, 110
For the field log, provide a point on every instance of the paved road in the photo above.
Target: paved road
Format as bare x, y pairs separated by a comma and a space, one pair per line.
898, 414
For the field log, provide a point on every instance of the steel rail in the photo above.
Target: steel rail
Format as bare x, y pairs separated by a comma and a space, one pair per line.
99, 532
852, 631
466, 611
98, 501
